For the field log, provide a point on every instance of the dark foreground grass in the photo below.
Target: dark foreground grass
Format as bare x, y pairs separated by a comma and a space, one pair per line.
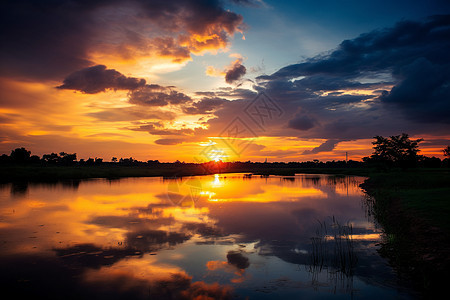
413, 208
424, 193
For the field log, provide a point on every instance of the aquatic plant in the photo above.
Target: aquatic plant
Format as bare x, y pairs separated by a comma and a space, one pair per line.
333, 248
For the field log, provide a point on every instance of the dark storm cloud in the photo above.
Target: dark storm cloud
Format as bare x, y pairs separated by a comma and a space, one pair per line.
235, 72
49, 39
412, 56
98, 79
386, 49
325, 82
423, 92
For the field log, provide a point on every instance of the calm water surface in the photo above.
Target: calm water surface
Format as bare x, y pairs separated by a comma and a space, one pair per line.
220, 236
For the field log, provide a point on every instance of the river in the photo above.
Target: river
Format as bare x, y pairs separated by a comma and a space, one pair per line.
223, 236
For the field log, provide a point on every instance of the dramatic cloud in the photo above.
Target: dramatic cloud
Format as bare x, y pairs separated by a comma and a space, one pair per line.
98, 79
48, 39
386, 49
380, 83
413, 57
423, 92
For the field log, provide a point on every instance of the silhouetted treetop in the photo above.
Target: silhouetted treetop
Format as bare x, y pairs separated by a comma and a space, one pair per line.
446, 151
395, 150
20, 155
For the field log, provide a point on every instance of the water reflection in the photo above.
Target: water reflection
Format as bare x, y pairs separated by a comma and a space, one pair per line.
218, 236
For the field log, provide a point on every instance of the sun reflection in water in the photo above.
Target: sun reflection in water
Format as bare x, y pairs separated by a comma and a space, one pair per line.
207, 233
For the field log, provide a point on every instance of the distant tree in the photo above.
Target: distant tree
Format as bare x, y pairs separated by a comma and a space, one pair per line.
446, 151
52, 158
67, 158
127, 161
152, 162
20, 155
397, 150
114, 159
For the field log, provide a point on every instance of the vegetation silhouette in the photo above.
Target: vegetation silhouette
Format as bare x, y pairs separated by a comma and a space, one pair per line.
399, 151
446, 151
390, 153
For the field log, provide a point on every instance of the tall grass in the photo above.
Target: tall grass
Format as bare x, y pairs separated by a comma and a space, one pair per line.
333, 248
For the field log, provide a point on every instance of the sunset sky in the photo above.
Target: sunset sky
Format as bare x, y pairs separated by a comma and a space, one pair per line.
232, 80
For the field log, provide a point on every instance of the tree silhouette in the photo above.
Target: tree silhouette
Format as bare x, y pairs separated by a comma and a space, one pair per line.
397, 150
52, 158
67, 158
20, 155
446, 151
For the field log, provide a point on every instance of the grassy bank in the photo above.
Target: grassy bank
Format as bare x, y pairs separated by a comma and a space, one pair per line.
424, 193
413, 208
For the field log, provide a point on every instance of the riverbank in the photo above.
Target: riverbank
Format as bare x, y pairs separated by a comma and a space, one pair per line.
413, 207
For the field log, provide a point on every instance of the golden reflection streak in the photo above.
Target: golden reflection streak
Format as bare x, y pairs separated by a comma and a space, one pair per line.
360, 237
269, 196
222, 190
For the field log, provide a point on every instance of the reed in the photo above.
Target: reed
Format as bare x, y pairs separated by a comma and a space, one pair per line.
333, 248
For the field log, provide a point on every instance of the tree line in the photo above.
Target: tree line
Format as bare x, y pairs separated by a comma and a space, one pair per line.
388, 152
403, 152
23, 156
